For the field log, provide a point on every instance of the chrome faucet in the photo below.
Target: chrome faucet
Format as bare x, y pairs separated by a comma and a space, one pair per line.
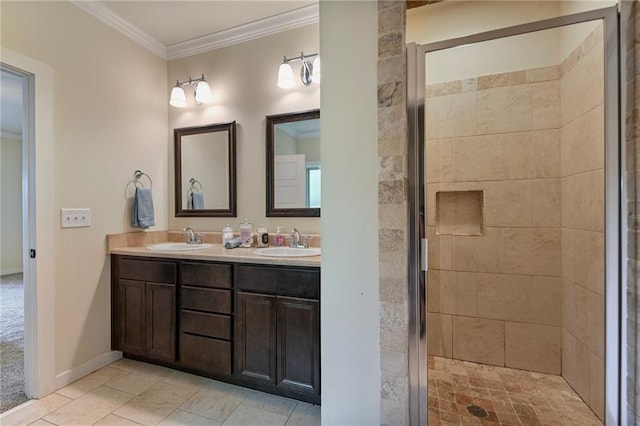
298, 241
295, 238
192, 237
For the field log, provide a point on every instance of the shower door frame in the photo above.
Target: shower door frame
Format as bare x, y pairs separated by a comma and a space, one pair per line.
615, 209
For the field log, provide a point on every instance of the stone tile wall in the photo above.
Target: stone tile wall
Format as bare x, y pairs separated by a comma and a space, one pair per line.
392, 213
582, 189
630, 22
494, 298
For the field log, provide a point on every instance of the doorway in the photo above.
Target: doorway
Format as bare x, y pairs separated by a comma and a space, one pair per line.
517, 195
12, 383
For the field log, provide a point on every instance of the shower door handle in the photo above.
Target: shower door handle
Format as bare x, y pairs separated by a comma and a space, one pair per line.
424, 254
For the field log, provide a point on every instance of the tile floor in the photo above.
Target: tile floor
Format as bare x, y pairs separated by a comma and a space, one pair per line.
128, 393
509, 396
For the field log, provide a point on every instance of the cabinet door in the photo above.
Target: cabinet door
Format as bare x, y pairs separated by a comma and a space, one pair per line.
161, 321
255, 337
131, 317
298, 345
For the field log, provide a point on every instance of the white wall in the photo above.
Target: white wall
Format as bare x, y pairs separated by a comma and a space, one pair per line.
243, 82
109, 121
349, 294
11, 206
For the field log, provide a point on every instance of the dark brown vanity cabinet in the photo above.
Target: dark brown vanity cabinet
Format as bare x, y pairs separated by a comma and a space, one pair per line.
277, 335
252, 325
143, 319
205, 317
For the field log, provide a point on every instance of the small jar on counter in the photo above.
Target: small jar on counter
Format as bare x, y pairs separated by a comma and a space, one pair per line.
246, 233
227, 234
263, 236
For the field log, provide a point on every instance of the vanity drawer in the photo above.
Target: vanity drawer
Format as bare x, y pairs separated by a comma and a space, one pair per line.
204, 299
148, 270
210, 325
209, 356
205, 274
295, 282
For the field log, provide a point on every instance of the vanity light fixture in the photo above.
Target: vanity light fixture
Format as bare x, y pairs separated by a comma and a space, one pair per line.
308, 73
201, 92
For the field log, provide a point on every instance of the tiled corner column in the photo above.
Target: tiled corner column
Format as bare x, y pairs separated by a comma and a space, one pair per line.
392, 196
630, 11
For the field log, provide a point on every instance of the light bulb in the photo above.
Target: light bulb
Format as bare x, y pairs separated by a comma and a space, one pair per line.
315, 77
285, 76
203, 93
177, 97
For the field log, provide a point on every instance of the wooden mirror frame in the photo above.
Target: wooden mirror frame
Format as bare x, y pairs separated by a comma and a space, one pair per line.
177, 138
272, 120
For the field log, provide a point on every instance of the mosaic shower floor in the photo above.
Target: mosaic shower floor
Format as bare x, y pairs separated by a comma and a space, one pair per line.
505, 396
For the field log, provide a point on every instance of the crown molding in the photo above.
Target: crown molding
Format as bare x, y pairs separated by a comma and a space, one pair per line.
106, 15
264, 27
11, 136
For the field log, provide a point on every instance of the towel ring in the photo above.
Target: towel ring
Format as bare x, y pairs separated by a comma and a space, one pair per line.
138, 174
193, 181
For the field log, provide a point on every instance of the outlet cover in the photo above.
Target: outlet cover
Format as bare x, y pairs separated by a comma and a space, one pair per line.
75, 218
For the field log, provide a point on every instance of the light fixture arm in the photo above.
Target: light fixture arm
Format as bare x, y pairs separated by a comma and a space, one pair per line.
191, 81
302, 57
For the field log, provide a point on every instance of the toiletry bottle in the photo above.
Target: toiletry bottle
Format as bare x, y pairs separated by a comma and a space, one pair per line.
263, 236
246, 233
227, 234
279, 237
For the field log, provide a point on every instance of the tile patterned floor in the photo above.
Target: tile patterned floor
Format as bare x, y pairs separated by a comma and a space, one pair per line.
131, 393
509, 396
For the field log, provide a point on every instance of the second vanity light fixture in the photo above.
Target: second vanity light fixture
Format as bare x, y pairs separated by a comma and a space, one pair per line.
201, 89
308, 73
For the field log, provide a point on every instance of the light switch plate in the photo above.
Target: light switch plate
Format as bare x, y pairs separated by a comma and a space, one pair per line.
75, 218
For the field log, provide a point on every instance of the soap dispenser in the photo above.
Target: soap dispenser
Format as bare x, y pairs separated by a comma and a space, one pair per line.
278, 239
246, 233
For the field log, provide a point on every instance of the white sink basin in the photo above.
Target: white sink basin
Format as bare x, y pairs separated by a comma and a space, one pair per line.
177, 247
288, 252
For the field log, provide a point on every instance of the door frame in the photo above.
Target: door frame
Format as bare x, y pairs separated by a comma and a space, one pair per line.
38, 229
615, 209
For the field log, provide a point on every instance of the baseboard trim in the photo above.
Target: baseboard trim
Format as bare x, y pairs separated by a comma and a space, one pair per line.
79, 372
10, 271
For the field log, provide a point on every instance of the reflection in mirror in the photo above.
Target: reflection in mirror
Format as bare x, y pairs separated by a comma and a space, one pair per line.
205, 170
293, 164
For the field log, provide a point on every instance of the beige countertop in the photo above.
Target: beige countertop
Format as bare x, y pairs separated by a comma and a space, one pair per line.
219, 253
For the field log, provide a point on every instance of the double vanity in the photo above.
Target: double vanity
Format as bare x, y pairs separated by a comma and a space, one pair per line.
231, 315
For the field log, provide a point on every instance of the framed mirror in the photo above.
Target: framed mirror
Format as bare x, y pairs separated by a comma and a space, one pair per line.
205, 170
293, 164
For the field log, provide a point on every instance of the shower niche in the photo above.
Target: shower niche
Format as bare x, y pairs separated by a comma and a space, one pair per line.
459, 212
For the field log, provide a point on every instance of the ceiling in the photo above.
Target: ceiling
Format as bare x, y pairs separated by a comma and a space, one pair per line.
173, 22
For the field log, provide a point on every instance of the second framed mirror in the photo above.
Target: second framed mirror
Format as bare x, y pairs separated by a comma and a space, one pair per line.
293, 164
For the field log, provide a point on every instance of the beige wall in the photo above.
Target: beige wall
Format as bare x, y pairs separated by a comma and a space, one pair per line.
109, 121
582, 171
243, 82
11, 206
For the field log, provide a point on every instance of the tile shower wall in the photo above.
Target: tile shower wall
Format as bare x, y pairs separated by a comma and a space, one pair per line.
528, 293
582, 189
496, 297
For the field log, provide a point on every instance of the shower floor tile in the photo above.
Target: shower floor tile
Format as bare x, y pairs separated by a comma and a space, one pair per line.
504, 396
